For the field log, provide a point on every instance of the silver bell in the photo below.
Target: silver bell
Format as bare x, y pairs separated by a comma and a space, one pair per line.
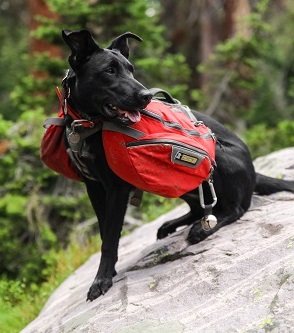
208, 222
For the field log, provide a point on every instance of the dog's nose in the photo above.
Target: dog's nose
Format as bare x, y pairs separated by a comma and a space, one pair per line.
145, 96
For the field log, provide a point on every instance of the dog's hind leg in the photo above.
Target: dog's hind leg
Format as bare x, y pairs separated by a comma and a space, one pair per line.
198, 234
195, 213
171, 226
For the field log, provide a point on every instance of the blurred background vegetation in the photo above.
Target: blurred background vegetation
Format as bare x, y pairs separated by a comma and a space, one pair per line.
231, 59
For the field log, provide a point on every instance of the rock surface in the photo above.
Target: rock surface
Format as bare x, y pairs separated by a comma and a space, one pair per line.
241, 279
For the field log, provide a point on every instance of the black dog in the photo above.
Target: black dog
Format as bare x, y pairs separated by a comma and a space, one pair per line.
100, 85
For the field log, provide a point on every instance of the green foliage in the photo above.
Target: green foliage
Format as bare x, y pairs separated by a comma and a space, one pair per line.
250, 80
13, 63
170, 73
263, 139
21, 300
11, 293
153, 206
253, 75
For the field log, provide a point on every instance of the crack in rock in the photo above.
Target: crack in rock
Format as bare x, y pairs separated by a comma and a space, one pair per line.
158, 257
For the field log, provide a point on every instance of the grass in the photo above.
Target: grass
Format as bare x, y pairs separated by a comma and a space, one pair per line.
20, 303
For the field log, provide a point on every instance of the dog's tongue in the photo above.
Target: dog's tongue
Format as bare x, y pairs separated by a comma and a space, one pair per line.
134, 116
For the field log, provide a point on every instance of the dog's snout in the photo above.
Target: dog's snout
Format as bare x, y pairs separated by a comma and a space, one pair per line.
145, 96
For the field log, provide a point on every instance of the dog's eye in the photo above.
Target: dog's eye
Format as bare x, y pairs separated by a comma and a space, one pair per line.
110, 70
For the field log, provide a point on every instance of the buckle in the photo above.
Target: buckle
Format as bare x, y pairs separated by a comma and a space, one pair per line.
83, 123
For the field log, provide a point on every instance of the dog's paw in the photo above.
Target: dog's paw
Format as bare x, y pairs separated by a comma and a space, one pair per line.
165, 230
98, 288
198, 234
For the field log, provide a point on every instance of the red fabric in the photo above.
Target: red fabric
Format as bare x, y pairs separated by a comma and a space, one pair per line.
150, 167
53, 152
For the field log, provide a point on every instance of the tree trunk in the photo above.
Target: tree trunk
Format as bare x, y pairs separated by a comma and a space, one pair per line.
39, 8
234, 23
194, 27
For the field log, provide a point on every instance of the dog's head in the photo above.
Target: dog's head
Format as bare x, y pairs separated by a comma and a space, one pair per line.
101, 81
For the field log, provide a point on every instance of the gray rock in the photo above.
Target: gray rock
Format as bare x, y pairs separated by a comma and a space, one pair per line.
241, 279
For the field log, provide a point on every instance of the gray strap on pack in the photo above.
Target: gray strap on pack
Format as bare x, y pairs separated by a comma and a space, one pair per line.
132, 132
53, 121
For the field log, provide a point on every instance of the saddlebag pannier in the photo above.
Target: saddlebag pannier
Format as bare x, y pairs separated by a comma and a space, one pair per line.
168, 152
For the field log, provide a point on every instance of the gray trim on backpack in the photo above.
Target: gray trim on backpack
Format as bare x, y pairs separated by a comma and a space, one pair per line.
53, 121
132, 132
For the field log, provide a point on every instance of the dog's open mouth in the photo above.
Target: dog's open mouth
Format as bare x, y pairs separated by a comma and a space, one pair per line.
125, 116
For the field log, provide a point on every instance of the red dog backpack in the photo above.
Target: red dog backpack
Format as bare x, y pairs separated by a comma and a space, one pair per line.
168, 152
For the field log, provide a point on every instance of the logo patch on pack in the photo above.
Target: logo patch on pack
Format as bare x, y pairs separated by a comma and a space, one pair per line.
185, 157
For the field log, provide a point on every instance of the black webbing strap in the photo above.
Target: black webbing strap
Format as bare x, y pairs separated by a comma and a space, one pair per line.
167, 97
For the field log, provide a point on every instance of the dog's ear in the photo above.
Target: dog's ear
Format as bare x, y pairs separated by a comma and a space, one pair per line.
82, 46
120, 43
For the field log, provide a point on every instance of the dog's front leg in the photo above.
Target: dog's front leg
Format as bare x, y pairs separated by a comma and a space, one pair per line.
115, 209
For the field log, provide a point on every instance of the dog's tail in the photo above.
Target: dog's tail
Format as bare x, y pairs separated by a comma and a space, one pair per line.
268, 185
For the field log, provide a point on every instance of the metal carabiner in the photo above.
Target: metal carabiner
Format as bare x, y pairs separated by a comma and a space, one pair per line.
213, 194
209, 221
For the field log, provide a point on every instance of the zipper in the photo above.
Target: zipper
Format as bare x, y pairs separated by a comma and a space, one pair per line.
167, 142
170, 124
